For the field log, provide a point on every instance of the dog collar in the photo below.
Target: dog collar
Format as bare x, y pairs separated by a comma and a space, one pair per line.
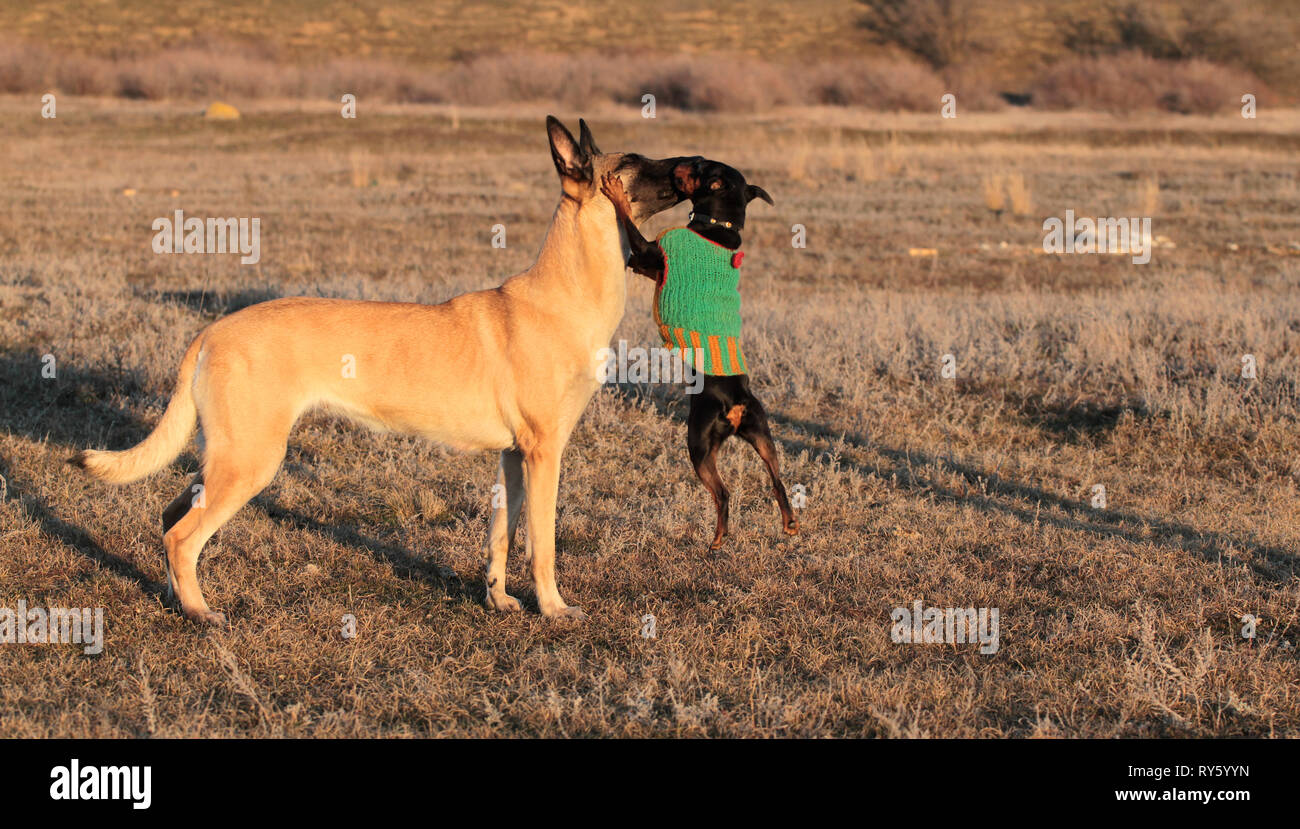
713, 221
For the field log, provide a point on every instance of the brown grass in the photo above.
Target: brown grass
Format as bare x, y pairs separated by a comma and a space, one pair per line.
1015, 40
995, 195
979, 47
1072, 371
1022, 202
702, 83
1003, 190
1149, 196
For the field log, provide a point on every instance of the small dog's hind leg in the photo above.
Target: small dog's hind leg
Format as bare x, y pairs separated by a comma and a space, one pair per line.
755, 431
707, 469
706, 429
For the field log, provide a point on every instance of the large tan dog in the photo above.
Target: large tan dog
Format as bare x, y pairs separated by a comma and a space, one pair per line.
510, 368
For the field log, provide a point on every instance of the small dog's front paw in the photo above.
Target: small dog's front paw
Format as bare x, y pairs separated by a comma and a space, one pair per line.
612, 186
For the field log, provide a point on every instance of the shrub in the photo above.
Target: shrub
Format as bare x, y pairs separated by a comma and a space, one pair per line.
1131, 81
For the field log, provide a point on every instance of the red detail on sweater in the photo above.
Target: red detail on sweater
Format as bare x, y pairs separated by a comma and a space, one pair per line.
736, 257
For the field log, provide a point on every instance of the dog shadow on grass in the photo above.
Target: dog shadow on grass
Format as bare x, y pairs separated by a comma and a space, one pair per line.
66, 409
908, 465
70, 411
405, 564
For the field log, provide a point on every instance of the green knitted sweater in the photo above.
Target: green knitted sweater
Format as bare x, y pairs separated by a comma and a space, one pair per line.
697, 305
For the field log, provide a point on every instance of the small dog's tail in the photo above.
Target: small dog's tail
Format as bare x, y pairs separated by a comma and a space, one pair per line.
164, 442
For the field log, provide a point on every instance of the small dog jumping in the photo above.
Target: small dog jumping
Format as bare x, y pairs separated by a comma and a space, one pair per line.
697, 308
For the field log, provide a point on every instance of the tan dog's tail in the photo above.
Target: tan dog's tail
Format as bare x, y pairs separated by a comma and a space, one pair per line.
164, 442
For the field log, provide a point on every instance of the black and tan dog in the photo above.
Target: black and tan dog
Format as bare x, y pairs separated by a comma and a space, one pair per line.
724, 406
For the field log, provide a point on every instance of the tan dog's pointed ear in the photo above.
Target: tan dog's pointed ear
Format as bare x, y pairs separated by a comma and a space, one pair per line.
753, 191
585, 142
570, 161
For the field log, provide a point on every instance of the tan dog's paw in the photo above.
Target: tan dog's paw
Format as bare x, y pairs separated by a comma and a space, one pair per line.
504, 603
209, 617
566, 614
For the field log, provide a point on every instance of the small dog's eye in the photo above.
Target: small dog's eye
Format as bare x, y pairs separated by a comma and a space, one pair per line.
716, 184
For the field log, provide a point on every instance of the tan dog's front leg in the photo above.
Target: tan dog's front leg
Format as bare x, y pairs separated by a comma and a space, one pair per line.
542, 472
501, 529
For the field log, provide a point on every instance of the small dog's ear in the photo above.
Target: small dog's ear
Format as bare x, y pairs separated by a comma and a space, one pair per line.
570, 161
753, 191
585, 142
685, 177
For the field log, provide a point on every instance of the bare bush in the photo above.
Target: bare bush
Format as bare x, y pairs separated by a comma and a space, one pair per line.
700, 83
940, 32
1237, 33
23, 67
876, 84
1132, 82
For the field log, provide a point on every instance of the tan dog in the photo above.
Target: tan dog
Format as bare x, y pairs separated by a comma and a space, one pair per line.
510, 369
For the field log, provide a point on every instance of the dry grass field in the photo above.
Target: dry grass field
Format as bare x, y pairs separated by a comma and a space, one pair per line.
429, 32
976, 491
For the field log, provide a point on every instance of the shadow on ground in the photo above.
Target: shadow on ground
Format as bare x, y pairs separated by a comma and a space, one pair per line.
67, 410
70, 411
795, 435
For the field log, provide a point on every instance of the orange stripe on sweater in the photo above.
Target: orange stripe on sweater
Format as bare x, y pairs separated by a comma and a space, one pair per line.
715, 351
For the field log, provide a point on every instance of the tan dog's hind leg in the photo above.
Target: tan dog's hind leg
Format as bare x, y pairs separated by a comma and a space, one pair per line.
501, 529
183, 543
542, 475
175, 511
232, 474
